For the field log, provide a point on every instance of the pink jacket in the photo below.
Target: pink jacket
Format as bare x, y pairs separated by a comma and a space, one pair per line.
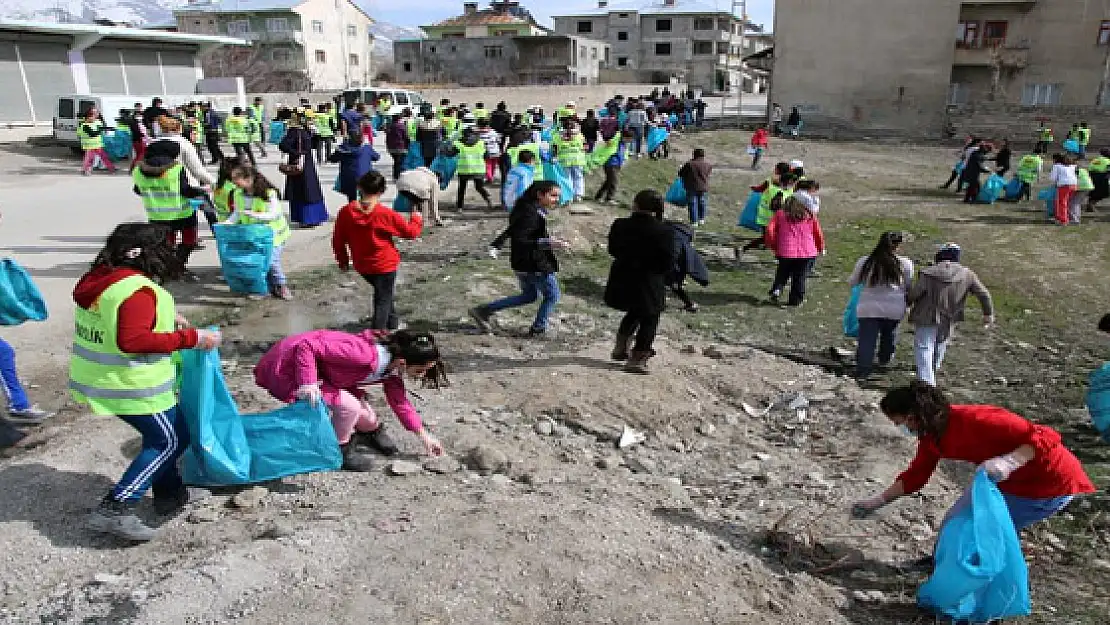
794, 239
340, 361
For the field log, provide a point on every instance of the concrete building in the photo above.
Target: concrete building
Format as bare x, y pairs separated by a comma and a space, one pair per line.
297, 45
39, 62
691, 41
895, 65
498, 46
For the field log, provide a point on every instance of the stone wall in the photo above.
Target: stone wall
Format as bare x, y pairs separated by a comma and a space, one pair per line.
1019, 123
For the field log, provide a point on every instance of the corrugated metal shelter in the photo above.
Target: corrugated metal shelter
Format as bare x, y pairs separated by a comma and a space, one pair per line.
41, 61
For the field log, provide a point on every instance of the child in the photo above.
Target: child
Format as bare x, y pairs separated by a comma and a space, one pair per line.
256, 201
795, 235
520, 177
885, 277
936, 302
569, 147
613, 167
421, 187
238, 130
1065, 179
1037, 475
1083, 188
224, 190
492, 140
695, 176
364, 234
91, 132
471, 151
131, 374
1028, 172
774, 190
333, 366
356, 158
760, 144
160, 180
688, 262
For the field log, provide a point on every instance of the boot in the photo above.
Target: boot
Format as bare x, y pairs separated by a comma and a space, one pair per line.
356, 461
637, 362
169, 505
118, 519
379, 441
620, 350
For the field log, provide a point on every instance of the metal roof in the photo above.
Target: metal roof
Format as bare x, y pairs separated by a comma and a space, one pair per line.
656, 7
117, 32
243, 6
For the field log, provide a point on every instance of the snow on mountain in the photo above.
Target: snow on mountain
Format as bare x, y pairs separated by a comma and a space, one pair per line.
133, 11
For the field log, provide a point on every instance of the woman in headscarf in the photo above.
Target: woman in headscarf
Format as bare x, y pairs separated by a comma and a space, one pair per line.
302, 183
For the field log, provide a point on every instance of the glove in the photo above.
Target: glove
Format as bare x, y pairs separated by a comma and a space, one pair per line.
999, 469
865, 508
310, 392
208, 339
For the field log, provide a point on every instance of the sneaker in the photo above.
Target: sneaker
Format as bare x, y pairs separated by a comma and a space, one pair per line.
283, 293
355, 461
29, 416
537, 333
701, 222
118, 519
379, 441
481, 316
774, 294
171, 505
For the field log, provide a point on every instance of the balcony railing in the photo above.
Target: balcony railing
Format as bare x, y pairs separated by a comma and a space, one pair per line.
1010, 56
275, 36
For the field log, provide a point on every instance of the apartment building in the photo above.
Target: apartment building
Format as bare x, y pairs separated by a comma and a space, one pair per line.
907, 65
501, 45
296, 45
697, 42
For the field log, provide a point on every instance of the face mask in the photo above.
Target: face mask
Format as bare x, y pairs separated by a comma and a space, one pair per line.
907, 431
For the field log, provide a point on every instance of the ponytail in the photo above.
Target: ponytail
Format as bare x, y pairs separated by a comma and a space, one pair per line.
419, 348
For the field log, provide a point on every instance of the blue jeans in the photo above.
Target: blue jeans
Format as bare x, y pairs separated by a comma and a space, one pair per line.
578, 180
17, 397
532, 286
275, 276
1024, 511
165, 438
699, 206
874, 332
637, 138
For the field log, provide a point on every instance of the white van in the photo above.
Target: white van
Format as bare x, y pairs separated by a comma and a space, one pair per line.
402, 98
71, 109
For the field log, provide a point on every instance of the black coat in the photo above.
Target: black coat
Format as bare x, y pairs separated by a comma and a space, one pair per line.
527, 225
642, 248
687, 261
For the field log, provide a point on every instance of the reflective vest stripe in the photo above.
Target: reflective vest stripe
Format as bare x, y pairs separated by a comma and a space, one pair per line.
89, 142
238, 129
137, 360
122, 393
472, 158
279, 226
161, 196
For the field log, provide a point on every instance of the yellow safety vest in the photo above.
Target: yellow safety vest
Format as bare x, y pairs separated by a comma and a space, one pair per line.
260, 205
1099, 165
572, 152
221, 198
238, 129
1029, 168
162, 197
472, 158
765, 213
481, 113
105, 378
90, 142
1084, 178
1084, 136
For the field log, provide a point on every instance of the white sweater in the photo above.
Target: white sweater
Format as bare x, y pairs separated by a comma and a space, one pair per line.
887, 301
1063, 175
191, 160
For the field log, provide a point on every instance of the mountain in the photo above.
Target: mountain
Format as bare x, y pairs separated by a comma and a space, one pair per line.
384, 36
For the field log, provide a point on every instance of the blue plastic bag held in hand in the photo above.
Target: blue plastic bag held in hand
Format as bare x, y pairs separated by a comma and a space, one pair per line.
1048, 196
1098, 400
655, 138
677, 193
980, 572
851, 317
444, 168
1013, 189
118, 144
277, 132
1071, 145
749, 217
245, 254
555, 173
993, 189
402, 203
228, 448
20, 299
414, 159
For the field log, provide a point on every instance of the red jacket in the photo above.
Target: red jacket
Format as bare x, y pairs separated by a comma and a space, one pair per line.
135, 331
976, 434
366, 237
759, 139
794, 239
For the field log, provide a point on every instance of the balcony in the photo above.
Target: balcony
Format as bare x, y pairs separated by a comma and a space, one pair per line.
275, 36
1015, 57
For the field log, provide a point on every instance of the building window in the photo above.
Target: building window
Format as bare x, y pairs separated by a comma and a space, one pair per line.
504, 33
1104, 33
662, 26
703, 47
994, 33
583, 80
1041, 94
196, 23
722, 47
959, 94
967, 34
703, 23
622, 36
238, 28
494, 52
662, 49
622, 61
321, 56
277, 24
585, 28
582, 52
623, 16
281, 56
353, 60
593, 53
407, 67
432, 49
317, 27
352, 31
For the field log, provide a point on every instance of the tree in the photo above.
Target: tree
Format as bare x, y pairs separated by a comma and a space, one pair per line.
263, 68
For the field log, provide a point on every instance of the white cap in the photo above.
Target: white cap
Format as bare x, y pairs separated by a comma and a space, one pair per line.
797, 164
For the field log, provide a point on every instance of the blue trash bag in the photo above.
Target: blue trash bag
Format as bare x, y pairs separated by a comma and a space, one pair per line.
603, 112
1013, 188
414, 159
1071, 145
228, 448
656, 137
245, 254
993, 189
850, 320
277, 132
402, 203
444, 167
1098, 400
673, 119
556, 173
980, 572
336, 186
677, 193
750, 215
622, 118
545, 135
1048, 196
118, 144
20, 299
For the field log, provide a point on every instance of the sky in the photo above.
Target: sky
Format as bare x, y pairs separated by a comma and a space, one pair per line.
419, 12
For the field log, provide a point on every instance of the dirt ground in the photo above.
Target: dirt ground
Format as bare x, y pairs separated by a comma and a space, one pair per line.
728, 512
